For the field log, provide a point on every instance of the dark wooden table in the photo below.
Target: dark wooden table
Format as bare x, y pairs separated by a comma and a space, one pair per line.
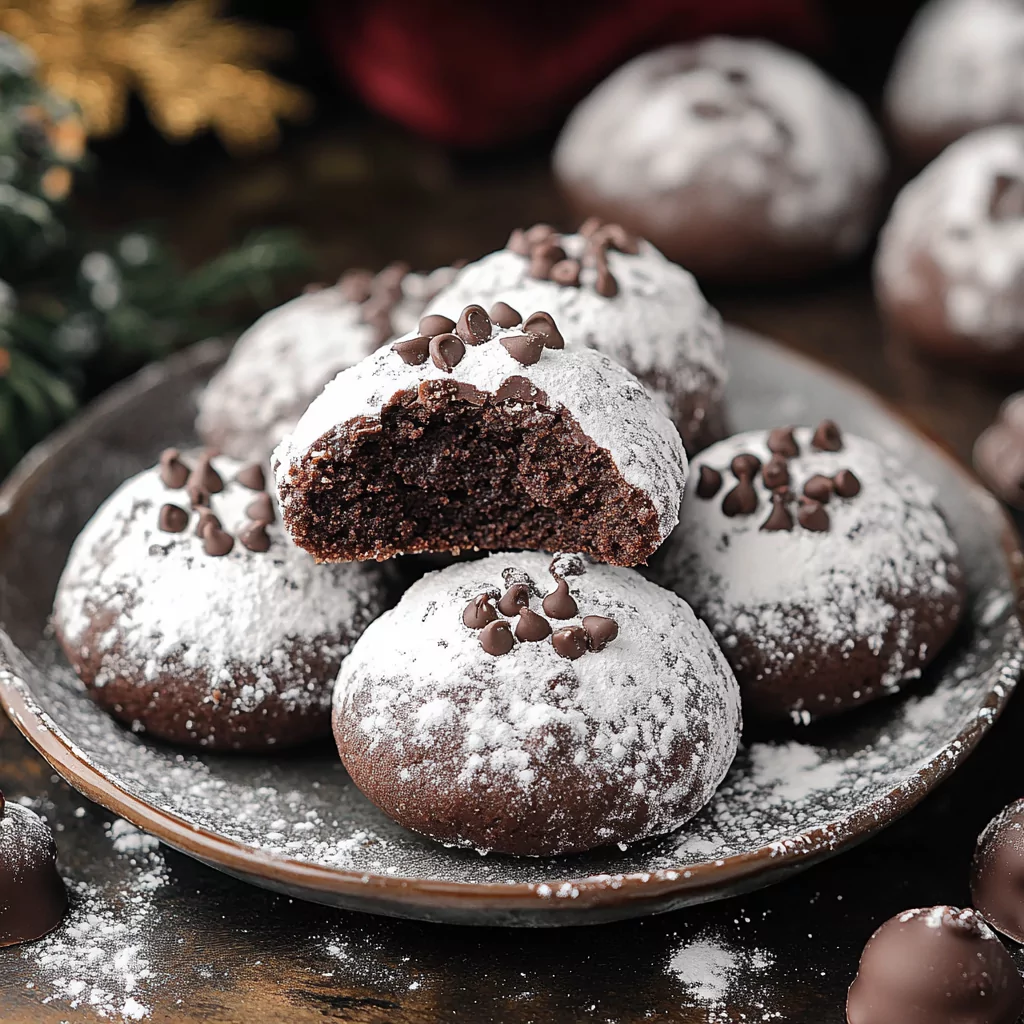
221, 951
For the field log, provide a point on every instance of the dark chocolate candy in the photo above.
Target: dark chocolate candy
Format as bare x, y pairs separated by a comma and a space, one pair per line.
997, 874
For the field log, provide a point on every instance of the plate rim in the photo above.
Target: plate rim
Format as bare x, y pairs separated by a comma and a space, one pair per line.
585, 892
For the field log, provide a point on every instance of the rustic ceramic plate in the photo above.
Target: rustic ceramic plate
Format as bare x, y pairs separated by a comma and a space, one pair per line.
296, 824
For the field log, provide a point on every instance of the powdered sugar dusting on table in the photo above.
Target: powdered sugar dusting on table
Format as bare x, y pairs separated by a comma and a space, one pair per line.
782, 131
943, 219
657, 323
802, 588
171, 600
609, 404
959, 65
713, 972
100, 957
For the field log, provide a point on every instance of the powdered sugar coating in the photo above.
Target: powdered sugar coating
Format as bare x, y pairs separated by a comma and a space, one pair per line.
658, 324
886, 560
754, 118
281, 363
944, 248
26, 845
608, 403
172, 607
419, 684
959, 68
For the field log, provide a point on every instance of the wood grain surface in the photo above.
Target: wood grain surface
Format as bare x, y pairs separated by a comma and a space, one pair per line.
223, 952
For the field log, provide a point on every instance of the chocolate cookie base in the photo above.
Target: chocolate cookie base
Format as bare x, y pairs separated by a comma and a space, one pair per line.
450, 469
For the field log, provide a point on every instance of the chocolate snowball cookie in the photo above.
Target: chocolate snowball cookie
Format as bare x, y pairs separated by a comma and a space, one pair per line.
940, 965
33, 900
958, 69
471, 435
530, 705
187, 612
738, 159
281, 363
615, 293
821, 565
949, 273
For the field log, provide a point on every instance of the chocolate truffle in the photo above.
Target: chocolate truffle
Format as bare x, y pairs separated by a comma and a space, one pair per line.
997, 875
531, 705
949, 273
625, 300
33, 899
486, 438
737, 158
999, 452
957, 70
823, 567
936, 966
188, 613
281, 363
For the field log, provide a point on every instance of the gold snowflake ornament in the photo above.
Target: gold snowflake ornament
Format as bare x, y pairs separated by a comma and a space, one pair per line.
193, 69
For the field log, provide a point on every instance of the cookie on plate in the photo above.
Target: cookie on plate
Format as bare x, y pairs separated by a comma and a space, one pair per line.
957, 70
188, 613
613, 292
737, 158
949, 273
281, 363
530, 705
822, 566
469, 435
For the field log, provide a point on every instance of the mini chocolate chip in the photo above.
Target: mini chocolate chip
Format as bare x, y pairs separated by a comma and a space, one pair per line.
782, 442
741, 500
812, 516
198, 495
708, 110
543, 325
600, 630
205, 475
524, 348
559, 604
414, 351
446, 351
356, 285
745, 466
205, 516
709, 484
254, 536
261, 509
819, 488
1007, 199
775, 473
779, 518
549, 249
252, 476
566, 273
827, 437
173, 472
540, 233
479, 612
173, 519
568, 565
519, 243
520, 389
846, 484
216, 541
474, 326
435, 323
617, 237
532, 627
496, 638
504, 315
517, 596
571, 642
590, 226
606, 285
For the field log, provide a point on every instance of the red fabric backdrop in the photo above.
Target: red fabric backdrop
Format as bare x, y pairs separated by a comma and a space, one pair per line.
481, 72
